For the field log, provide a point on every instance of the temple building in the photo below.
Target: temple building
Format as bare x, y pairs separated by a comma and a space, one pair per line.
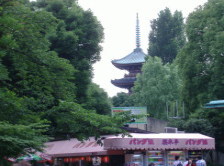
132, 63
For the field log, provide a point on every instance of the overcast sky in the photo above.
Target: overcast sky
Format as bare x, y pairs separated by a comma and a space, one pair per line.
118, 17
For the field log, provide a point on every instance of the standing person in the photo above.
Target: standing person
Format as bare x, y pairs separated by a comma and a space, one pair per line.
177, 161
186, 162
200, 162
190, 163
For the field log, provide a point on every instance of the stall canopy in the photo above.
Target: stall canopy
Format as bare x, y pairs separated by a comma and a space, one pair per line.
161, 141
74, 147
138, 141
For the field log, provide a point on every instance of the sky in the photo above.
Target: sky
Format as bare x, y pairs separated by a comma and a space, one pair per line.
118, 17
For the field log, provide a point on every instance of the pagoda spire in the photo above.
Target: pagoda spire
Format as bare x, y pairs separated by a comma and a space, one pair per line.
132, 63
137, 33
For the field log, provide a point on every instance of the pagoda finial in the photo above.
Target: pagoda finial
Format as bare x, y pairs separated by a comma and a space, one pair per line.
137, 33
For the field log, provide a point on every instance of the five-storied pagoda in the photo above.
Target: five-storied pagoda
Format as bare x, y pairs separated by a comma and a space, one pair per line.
132, 63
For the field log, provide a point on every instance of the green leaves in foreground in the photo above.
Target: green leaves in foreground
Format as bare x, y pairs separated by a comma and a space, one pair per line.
17, 139
71, 120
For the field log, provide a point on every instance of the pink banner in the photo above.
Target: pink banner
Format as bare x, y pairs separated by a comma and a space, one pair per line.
160, 143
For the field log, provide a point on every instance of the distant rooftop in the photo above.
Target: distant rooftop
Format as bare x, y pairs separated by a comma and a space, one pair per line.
124, 82
137, 56
215, 104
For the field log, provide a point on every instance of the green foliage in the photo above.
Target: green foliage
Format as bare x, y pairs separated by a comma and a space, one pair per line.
167, 35
201, 67
98, 100
215, 117
44, 71
201, 60
71, 120
194, 125
77, 39
156, 85
122, 100
12, 108
14, 139
20, 129
32, 70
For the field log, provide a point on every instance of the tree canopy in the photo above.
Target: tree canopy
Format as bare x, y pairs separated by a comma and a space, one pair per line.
98, 100
155, 86
47, 49
201, 68
167, 35
201, 60
77, 39
122, 100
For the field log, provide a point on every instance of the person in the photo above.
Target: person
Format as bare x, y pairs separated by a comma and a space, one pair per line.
190, 163
177, 161
186, 162
200, 162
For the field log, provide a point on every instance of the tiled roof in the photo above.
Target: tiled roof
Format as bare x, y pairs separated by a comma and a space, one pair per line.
126, 80
137, 56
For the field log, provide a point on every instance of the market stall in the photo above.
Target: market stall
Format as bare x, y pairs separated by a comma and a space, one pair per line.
137, 150
159, 149
73, 152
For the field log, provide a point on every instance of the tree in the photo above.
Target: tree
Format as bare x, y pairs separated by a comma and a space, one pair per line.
38, 86
157, 85
194, 125
122, 100
167, 35
201, 60
33, 70
201, 64
21, 130
20, 139
72, 120
21, 39
215, 117
98, 100
77, 39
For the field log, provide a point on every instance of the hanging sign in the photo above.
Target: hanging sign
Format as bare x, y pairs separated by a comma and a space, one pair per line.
134, 111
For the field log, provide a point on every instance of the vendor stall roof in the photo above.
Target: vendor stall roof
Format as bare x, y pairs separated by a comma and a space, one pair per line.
74, 147
162, 135
118, 144
161, 141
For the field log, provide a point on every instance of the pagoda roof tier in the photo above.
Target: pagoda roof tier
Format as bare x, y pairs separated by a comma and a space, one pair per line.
134, 58
126, 82
129, 67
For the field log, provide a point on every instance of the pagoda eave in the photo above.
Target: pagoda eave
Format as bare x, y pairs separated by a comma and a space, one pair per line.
127, 66
124, 86
124, 82
133, 63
